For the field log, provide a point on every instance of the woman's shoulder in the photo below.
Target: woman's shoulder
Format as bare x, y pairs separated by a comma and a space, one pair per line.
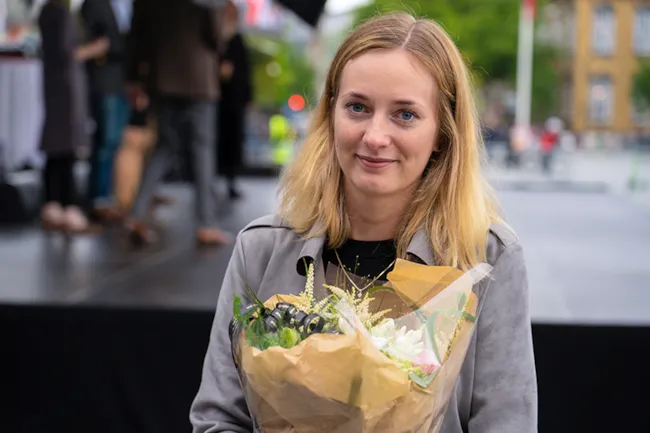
501, 239
268, 242
267, 230
265, 223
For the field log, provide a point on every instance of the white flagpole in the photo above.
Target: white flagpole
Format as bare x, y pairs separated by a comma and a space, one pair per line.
524, 73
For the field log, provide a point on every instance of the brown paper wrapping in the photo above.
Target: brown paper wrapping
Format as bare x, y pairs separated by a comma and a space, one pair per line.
343, 384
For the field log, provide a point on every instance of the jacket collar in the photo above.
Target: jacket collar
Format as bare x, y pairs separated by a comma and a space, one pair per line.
313, 244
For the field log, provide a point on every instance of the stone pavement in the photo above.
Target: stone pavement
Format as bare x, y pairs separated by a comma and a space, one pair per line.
622, 173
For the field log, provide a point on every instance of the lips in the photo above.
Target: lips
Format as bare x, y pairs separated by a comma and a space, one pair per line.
372, 162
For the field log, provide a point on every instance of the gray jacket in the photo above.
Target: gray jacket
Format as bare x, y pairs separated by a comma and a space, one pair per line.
497, 388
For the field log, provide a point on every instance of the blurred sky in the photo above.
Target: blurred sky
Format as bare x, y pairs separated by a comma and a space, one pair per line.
340, 6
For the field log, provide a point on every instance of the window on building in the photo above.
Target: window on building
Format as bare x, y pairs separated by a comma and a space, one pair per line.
604, 31
601, 100
642, 31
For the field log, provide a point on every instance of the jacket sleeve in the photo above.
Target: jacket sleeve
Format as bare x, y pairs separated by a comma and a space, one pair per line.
219, 405
97, 23
138, 46
504, 397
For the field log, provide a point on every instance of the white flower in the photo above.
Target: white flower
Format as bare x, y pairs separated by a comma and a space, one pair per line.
400, 344
386, 329
379, 342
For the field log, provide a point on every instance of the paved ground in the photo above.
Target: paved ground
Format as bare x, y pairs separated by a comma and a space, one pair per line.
587, 254
622, 173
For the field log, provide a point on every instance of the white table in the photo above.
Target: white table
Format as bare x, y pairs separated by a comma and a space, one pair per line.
21, 112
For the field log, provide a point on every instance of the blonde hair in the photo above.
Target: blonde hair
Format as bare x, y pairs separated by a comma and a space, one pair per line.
453, 203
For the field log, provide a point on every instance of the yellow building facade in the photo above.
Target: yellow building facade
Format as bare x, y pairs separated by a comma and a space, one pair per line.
610, 38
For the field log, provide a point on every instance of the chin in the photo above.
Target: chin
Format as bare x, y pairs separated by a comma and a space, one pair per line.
374, 186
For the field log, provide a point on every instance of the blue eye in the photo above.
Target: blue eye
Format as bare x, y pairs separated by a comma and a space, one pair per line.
356, 107
407, 116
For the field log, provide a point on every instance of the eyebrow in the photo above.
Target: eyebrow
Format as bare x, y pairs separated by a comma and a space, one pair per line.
361, 96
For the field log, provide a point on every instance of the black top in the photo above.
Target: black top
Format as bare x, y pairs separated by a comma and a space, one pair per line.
365, 259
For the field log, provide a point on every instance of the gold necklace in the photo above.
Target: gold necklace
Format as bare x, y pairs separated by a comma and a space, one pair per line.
359, 291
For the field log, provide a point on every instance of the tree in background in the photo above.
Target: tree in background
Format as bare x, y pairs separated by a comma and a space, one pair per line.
546, 83
641, 86
280, 70
484, 31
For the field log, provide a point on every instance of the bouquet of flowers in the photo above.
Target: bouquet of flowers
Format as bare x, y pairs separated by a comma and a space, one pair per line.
384, 359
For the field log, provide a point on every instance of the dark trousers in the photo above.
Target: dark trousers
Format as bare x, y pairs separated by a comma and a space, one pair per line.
111, 113
58, 180
183, 125
547, 161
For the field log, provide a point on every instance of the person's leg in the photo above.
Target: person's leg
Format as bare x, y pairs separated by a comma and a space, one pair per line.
169, 120
74, 221
129, 163
97, 110
67, 183
202, 118
235, 154
114, 110
51, 211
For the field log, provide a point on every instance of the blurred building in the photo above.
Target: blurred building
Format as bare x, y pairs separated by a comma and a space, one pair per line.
604, 41
610, 39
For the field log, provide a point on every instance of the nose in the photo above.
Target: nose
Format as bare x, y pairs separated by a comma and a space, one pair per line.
376, 135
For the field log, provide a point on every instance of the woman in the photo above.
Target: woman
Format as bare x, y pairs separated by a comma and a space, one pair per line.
391, 168
66, 113
235, 96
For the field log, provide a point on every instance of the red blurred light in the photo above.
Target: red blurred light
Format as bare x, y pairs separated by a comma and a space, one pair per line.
296, 102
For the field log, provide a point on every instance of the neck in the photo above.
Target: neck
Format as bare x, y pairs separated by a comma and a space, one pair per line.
375, 218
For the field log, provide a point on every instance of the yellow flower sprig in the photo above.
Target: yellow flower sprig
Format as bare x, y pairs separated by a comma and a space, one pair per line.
306, 302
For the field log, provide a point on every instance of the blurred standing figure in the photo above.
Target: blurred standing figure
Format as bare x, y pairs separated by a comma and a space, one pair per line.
66, 113
235, 96
173, 49
548, 142
110, 19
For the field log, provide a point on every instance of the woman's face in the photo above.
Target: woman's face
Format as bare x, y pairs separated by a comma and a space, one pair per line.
231, 13
385, 122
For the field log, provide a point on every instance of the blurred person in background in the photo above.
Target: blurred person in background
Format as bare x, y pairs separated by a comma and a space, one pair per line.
138, 139
174, 64
110, 109
548, 142
66, 112
236, 95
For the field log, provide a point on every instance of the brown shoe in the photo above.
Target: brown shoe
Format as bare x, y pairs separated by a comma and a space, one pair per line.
213, 236
162, 200
140, 233
107, 214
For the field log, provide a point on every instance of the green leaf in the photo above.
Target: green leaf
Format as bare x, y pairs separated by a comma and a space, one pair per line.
424, 382
289, 338
252, 297
376, 289
468, 317
237, 310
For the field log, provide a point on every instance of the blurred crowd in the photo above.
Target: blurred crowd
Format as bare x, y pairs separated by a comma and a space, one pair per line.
161, 80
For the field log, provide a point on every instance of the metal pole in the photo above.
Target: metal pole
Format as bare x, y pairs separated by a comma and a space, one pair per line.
524, 72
